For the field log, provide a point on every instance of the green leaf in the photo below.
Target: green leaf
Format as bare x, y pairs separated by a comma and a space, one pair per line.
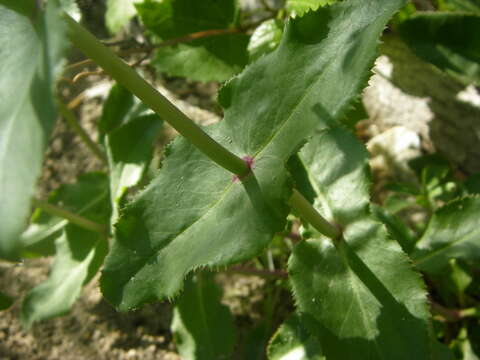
464, 346
116, 109
23, 7
30, 52
459, 5
265, 38
473, 184
202, 327
254, 344
71, 8
356, 113
194, 214
452, 233
397, 228
119, 13
452, 282
292, 341
448, 41
129, 150
300, 7
131, 129
215, 57
358, 294
80, 254
87, 197
5, 301
441, 352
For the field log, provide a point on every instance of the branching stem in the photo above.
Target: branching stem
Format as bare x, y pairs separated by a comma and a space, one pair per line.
127, 77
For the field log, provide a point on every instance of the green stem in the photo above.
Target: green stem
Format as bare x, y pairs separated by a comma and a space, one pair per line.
71, 217
129, 78
308, 213
69, 117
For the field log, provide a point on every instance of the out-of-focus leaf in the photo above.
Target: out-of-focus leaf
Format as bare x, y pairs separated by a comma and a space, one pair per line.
130, 129
450, 41
265, 38
473, 184
300, 7
129, 150
79, 255
216, 56
356, 113
292, 341
452, 233
71, 8
202, 327
119, 13
359, 294
87, 197
116, 109
396, 203
397, 228
441, 352
5, 301
452, 282
30, 52
255, 342
463, 345
459, 5
23, 7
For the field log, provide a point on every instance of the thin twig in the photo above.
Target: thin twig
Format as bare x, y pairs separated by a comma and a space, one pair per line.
170, 42
83, 74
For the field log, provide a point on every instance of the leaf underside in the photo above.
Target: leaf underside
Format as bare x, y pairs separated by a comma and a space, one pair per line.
361, 294
194, 214
30, 51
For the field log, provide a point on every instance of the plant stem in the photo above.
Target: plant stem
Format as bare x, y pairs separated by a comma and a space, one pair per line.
69, 117
128, 77
73, 218
308, 213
